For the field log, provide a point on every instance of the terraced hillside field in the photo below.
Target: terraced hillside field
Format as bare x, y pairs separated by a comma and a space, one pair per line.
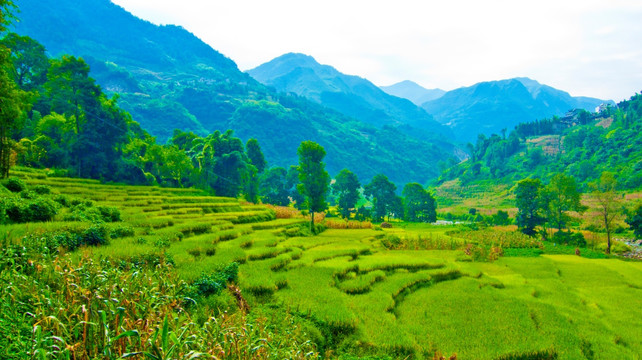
362, 296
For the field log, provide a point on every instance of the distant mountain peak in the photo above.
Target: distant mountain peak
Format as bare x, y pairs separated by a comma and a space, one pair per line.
412, 91
351, 95
487, 107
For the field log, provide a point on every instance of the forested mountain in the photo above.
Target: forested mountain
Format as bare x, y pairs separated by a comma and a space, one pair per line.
582, 145
351, 95
489, 107
167, 79
412, 91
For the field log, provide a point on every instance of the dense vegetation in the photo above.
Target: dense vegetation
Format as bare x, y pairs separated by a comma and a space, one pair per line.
172, 258
167, 78
582, 145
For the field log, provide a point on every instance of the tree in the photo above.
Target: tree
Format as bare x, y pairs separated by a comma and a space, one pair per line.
29, 61
634, 219
382, 192
255, 155
608, 201
347, 186
420, 205
274, 187
529, 206
561, 195
314, 179
12, 100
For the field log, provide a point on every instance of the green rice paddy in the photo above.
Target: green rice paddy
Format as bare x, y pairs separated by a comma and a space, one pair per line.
368, 300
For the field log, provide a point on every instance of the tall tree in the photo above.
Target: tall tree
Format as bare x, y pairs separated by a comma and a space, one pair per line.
29, 61
314, 179
420, 205
347, 186
529, 206
608, 201
562, 196
634, 219
255, 155
274, 187
12, 100
382, 192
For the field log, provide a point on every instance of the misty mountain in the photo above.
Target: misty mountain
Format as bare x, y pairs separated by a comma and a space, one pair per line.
412, 91
489, 107
167, 78
351, 95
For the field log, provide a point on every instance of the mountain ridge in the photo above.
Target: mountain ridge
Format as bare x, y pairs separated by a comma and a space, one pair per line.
349, 94
490, 106
178, 81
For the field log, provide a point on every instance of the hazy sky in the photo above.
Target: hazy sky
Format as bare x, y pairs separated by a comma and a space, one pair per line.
585, 47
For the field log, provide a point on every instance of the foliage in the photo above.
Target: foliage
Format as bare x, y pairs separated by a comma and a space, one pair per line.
314, 179
346, 186
382, 193
560, 196
527, 198
634, 219
583, 147
420, 205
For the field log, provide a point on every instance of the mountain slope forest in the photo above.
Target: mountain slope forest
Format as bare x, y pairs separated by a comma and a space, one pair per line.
488, 107
168, 79
582, 144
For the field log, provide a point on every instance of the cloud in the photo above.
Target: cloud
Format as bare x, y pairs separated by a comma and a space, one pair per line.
585, 47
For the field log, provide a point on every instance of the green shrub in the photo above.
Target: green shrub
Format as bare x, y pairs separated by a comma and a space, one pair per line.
121, 231
42, 189
18, 210
209, 284
569, 238
96, 234
62, 200
14, 185
28, 194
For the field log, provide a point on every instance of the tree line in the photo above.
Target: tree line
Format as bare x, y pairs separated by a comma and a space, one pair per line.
56, 116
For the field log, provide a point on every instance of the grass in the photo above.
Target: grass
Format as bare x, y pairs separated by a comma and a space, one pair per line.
346, 289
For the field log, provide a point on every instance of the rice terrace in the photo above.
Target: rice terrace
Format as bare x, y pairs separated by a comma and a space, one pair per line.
161, 199
405, 291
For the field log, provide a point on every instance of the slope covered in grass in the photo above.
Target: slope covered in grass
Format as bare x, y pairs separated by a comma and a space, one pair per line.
347, 291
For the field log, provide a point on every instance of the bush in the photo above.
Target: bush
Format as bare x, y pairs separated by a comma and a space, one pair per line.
18, 210
569, 238
14, 185
62, 200
121, 231
42, 189
97, 234
209, 284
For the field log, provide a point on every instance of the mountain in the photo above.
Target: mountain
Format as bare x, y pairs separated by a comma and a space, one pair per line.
412, 91
167, 78
351, 95
582, 146
489, 107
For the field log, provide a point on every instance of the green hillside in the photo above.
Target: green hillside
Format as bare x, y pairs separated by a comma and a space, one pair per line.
351, 95
582, 145
168, 79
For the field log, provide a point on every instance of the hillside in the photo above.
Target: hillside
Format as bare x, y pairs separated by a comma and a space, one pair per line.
167, 79
412, 91
488, 107
351, 95
583, 146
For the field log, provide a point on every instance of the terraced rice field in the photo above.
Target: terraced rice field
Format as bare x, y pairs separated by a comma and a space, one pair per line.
371, 300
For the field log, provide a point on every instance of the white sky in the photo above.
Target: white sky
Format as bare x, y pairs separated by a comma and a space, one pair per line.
586, 47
